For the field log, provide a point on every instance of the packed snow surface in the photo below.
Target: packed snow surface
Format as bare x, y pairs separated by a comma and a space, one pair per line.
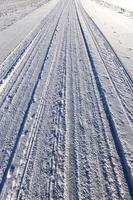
66, 103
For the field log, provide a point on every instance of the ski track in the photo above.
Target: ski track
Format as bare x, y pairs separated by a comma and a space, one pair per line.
61, 134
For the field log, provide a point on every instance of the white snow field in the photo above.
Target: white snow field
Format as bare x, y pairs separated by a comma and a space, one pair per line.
115, 20
119, 5
66, 108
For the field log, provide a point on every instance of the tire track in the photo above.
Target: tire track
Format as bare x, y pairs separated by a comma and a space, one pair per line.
14, 57
52, 180
63, 141
71, 168
35, 126
23, 65
26, 113
119, 76
16, 96
99, 129
117, 141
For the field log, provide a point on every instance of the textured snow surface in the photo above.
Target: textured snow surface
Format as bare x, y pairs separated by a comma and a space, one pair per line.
117, 27
66, 108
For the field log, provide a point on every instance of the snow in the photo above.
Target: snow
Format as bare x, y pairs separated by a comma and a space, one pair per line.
126, 4
11, 11
66, 102
117, 28
13, 35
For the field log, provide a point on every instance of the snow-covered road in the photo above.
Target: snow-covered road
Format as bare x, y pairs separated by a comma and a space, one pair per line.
66, 113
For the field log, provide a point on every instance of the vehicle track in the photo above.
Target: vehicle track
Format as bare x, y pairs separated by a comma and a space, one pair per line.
25, 81
27, 152
14, 57
91, 174
119, 76
50, 185
23, 64
26, 112
118, 140
71, 168
60, 135
53, 160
